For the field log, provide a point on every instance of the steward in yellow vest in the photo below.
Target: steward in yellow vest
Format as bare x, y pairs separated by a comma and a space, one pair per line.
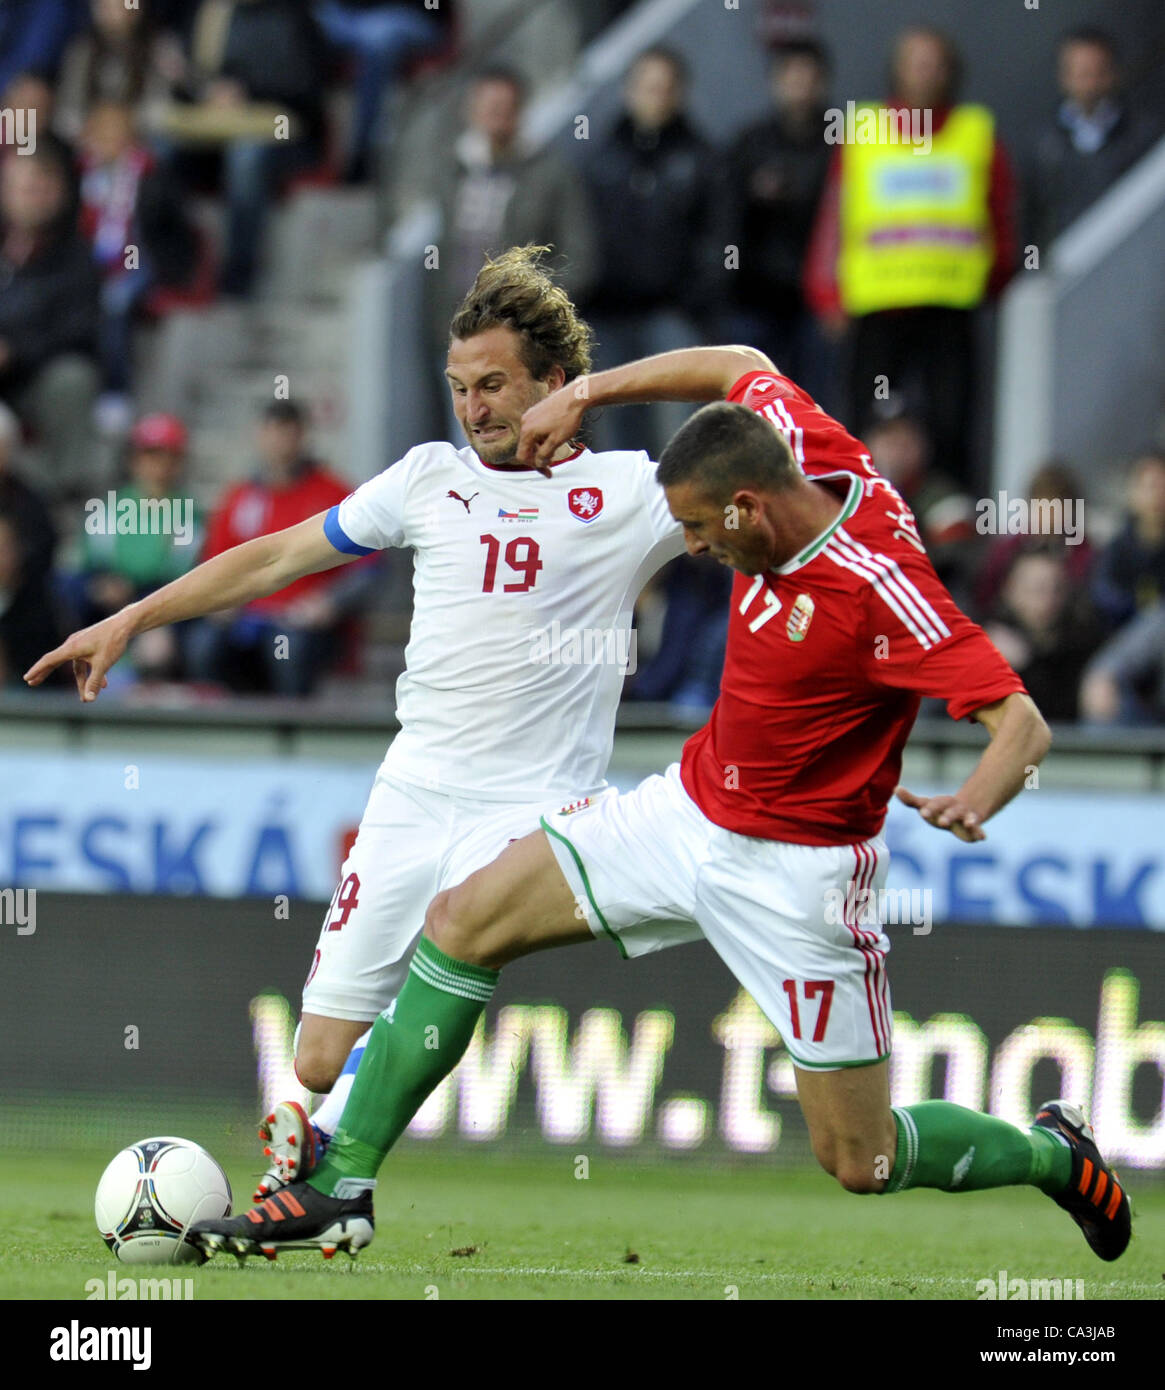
915, 222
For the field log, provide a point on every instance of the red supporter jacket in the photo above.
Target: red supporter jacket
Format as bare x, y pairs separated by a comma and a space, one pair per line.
255, 508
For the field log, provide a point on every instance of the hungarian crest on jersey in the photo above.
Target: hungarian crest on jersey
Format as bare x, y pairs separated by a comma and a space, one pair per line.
799, 618
585, 502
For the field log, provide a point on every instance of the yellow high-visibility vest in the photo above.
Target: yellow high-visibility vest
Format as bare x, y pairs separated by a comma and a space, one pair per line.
915, 227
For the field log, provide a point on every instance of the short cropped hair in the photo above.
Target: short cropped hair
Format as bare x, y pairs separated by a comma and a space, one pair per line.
725, 447
1091, 36
661, 53
502, 72
811, 49
954, 58
284, 412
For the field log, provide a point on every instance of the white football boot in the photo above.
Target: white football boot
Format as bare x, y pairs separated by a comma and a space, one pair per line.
291, 1143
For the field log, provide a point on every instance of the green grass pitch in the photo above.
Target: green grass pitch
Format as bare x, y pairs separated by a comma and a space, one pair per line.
527, 1228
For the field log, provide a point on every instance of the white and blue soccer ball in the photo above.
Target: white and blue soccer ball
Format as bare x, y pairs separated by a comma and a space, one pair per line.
152, 1193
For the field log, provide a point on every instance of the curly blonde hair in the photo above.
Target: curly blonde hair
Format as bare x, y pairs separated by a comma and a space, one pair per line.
515, 291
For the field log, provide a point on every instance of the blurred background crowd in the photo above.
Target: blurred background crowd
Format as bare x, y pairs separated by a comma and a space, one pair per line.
169, 134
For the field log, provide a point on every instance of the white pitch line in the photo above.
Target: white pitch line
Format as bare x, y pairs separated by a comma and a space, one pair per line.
553, 1271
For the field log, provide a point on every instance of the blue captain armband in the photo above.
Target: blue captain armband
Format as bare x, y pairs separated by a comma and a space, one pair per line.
336, 534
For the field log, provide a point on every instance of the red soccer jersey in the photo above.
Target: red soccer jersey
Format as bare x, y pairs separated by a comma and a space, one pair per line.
828, 656
256, 509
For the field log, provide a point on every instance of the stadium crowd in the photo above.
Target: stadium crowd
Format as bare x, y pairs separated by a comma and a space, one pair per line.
664, 240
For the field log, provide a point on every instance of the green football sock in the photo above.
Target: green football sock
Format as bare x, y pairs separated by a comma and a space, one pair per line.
959, 1150
412, 1048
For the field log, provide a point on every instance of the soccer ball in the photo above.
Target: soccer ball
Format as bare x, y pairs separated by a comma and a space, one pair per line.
152, 1193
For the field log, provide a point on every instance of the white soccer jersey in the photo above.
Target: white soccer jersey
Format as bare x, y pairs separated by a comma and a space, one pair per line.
524, 591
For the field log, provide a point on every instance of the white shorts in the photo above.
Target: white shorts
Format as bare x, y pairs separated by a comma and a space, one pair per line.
412, 843
791, 922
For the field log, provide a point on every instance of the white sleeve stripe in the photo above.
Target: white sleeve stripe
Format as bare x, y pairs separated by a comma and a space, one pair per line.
774, 419
887, 598
887, 581
906, 587
884, 580
784, 425
796, 434
922, 603
890, 597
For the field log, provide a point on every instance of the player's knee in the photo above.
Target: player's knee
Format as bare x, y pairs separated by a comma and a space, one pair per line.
852, 1162
316, 1070
448, 926
440, 923
859, 1175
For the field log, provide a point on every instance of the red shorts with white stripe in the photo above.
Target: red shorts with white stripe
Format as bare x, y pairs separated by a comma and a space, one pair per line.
796, 924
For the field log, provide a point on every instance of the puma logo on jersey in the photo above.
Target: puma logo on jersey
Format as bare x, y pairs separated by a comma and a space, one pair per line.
465, 501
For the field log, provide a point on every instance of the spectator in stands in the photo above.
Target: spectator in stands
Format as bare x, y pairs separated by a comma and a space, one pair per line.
27, 617
23, 505
906, 261
900, 449
384, 38
120, 562
658, 274
34, 97
48, 314
133, 216
282, 643
494, 193
115, 58
33, 36
1095, 137
774, 175
247, 68
1130, 574
1125, 683
1054, 490
1044, 628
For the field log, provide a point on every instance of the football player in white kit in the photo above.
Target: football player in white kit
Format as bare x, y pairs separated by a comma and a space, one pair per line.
524, 586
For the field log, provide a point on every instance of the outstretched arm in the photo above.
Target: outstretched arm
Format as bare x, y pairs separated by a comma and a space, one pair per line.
1019, 741
688, 374
248, 571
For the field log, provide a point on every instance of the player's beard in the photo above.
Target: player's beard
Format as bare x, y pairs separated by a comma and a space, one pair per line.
503, 452
742, 561
498, 453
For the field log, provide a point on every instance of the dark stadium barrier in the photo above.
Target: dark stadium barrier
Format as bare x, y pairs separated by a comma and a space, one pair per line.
127, 1015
